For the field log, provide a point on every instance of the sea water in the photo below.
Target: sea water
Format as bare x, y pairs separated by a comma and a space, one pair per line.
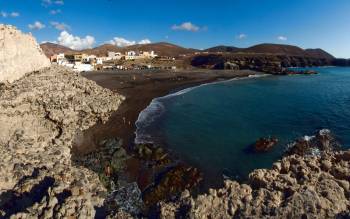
212, 127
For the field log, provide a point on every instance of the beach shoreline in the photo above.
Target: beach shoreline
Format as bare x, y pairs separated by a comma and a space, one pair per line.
139, 89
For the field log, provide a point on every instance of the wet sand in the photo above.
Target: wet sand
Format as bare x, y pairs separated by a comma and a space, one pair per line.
139, 88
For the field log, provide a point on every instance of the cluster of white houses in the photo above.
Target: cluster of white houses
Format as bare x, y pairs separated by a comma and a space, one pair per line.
83, 62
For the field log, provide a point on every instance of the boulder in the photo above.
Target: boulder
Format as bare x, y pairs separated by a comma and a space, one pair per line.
20, 54
265, 144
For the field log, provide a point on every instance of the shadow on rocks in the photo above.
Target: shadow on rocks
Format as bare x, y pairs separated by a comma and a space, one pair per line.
12, 203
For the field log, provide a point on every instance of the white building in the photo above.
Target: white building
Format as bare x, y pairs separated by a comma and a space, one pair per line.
114, 55
100, 60
61, 59
83, 67
148, 55
89, 58
130, 55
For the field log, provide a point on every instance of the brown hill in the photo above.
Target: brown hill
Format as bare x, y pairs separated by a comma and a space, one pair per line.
51, 48
319, 53
276, 49
102, 50
171, 50
162, 49
223, 49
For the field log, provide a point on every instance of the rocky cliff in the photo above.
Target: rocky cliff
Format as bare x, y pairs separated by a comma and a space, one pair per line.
19, 54
269, 63
39, 116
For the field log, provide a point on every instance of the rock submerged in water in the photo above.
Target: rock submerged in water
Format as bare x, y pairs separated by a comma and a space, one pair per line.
265, 144
172, 183
169, 177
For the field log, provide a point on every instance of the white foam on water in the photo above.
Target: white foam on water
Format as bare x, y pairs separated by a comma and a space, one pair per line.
156, 108
308, 138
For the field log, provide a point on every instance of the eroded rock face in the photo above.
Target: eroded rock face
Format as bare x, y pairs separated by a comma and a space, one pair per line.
19, 54
39, 116
296, 187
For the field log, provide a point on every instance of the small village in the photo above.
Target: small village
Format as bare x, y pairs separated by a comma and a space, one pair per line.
130, 60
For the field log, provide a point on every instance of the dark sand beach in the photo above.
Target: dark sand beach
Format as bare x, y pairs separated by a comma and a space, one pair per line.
139, 88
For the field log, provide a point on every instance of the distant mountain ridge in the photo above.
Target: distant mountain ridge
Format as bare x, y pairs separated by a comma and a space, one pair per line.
172, 50
51, 49
223, 48
162, 49
275, 49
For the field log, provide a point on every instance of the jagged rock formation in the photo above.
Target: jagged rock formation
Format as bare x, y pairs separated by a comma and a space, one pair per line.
19, 54
39, 116
309, 186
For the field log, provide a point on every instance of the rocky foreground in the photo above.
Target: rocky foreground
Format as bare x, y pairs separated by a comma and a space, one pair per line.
39, 116
312, 182
41, 113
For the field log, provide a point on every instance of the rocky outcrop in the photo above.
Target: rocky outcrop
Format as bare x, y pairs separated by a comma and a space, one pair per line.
39, 116
269, 63
341, 62
19, 54
323, 141
297, 186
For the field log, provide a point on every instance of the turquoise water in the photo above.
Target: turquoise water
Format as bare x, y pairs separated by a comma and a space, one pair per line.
212, 126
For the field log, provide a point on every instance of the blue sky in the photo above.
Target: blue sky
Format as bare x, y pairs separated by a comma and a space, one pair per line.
189, 23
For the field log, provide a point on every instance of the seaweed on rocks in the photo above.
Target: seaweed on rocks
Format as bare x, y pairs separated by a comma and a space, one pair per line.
109, 161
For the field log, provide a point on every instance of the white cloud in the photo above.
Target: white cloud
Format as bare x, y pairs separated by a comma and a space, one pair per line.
47, 3
36, 26
75, 42
12, 14
60, 26
122, 42
241, 36
60, 2
145, 41
187, 26
282, 38
54, 12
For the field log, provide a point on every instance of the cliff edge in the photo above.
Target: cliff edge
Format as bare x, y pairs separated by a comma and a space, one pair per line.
19, 54
40, 113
